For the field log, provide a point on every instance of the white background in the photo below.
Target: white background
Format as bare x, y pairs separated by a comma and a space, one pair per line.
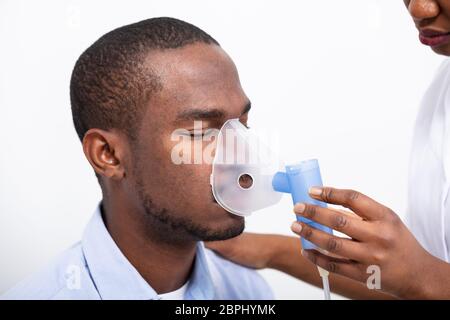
339, 80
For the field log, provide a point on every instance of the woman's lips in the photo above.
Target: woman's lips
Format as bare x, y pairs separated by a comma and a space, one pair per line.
434, 38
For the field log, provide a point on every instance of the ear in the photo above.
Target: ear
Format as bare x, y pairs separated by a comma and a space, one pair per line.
105, 151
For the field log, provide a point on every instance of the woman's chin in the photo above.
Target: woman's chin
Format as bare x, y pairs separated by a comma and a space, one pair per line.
442, 50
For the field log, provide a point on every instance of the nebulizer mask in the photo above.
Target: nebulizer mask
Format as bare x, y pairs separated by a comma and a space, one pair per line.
248, 176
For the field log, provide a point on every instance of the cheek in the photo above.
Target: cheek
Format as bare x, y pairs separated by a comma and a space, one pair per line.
178, 187
195, 180
185, 190
191, 177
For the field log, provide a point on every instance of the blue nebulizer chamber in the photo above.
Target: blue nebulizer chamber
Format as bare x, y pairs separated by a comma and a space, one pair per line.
297, 180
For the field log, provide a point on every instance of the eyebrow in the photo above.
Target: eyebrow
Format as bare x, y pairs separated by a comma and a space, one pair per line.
208, 114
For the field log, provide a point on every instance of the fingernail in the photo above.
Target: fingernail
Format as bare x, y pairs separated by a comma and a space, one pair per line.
296, 227
315, 191
299, 207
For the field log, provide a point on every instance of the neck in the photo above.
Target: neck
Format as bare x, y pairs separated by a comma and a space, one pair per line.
165, 265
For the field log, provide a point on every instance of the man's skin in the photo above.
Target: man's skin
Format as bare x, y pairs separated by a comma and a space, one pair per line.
199, 82
377, 235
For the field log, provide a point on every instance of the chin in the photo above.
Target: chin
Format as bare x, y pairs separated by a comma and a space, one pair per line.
444, 50
232, 228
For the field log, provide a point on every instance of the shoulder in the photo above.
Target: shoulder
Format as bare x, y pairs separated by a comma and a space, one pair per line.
441, 79
445, 66
67, 277
233, 281
436, 98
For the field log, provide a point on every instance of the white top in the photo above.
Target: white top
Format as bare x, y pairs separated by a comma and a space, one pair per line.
175, 295
428, 214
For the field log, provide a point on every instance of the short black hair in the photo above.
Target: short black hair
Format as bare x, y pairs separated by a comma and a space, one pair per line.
110, 84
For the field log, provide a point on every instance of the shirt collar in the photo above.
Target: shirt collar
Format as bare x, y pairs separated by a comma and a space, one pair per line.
116, 278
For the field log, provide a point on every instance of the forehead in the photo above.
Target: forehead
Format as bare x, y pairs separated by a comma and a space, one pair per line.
196, 76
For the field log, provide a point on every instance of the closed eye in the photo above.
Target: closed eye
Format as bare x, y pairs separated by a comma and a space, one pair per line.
196, 134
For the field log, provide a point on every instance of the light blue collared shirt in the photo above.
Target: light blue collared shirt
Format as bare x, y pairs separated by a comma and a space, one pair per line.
95, 268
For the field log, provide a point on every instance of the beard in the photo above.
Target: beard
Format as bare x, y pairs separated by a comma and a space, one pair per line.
175, 227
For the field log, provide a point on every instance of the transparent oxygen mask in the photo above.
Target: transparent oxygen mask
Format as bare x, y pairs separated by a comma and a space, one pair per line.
242, 171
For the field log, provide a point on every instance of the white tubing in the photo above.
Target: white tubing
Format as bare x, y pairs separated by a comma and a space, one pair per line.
326, 284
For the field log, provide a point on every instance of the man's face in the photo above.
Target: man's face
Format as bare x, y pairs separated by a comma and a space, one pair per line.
199, 83
432, 19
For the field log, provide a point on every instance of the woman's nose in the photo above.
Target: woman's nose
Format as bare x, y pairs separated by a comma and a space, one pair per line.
423, 9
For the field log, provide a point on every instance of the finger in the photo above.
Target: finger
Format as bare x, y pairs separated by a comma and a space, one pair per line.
345, 223
359, 203
346, 212
349, 269
345, 248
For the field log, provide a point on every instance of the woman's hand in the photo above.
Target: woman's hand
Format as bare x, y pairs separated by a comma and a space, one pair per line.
379, 239
283, 253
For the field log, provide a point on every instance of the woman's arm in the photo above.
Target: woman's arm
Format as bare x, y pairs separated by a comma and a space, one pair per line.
283, 253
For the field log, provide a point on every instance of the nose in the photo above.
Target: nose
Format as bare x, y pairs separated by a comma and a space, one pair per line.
423, 9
